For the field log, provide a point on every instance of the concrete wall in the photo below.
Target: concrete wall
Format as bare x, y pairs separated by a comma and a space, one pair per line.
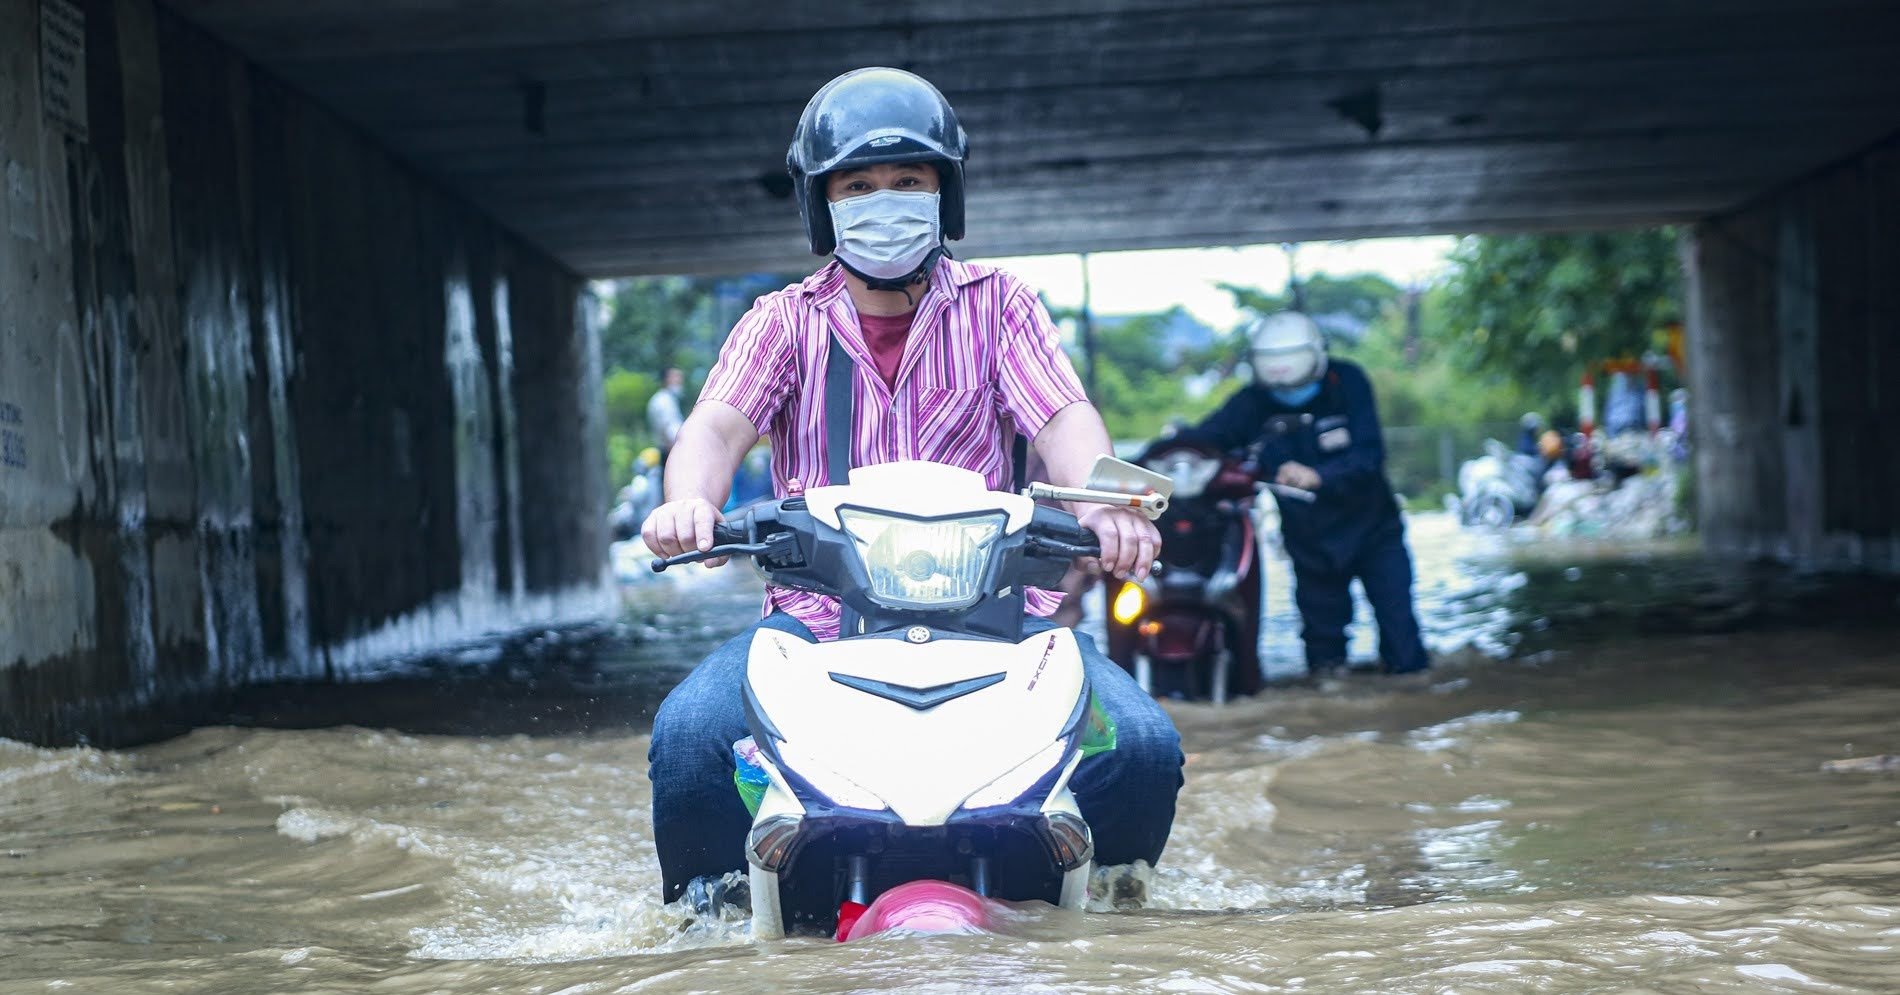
271, 405
1794, 333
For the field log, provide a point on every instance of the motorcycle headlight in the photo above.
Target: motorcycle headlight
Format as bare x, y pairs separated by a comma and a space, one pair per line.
1024, 776
931, 565
1190, 471
835, 786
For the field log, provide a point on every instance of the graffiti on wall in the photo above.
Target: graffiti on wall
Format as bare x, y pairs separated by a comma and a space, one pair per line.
63, 65
12, 436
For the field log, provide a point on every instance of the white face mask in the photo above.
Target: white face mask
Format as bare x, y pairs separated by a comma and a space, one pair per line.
888, 233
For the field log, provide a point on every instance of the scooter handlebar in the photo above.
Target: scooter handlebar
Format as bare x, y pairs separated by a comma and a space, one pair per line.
728, 539
1056, 533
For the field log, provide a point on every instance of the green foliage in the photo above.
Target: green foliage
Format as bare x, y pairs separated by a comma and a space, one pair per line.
625, 398
627, 394
650, 321
621, 449
1415, 380
1138, 395
657, 322
1537, 308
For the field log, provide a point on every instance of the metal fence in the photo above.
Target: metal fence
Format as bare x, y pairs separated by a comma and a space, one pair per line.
1423, 461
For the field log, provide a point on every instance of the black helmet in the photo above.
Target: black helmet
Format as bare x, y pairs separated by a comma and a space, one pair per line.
865, 117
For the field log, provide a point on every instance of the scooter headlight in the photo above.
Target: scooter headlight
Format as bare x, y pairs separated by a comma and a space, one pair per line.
1024, 776
931, 565
1190, 471
835, 786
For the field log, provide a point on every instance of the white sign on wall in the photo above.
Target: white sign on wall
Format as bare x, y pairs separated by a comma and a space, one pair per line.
63, 65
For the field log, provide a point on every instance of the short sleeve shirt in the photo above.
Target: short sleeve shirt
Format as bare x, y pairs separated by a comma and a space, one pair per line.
982, 356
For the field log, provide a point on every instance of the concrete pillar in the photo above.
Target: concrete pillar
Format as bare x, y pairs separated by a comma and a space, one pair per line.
1794, 369
266, 395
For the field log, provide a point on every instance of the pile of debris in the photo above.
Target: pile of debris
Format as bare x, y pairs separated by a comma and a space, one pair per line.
1646, 504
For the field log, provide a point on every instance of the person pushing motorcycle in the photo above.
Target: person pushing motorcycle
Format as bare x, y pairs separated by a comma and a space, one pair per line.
1317, 427
943, 355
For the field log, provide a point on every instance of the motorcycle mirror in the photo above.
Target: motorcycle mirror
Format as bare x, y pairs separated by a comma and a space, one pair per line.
1122, 477
1116, 482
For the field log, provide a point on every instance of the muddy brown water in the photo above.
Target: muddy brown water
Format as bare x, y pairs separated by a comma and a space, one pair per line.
1612, 782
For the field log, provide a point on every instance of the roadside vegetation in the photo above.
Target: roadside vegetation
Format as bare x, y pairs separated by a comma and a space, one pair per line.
1509, 328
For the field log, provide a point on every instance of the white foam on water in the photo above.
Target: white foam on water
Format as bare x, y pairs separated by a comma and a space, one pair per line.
1452, 734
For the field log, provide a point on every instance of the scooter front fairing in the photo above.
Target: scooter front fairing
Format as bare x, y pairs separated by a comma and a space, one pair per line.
914, 755
936, 740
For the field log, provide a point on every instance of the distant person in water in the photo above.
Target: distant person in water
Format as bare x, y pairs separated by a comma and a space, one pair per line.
665, 415
1317, 429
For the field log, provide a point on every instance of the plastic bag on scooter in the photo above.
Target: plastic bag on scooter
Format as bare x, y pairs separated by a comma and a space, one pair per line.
748, 775
1098, 734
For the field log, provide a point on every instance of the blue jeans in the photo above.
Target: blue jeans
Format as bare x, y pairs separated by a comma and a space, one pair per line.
700, 825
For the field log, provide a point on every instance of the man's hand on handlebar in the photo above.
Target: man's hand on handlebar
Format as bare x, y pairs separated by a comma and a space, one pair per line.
1129, 541
1298, 475
682, 526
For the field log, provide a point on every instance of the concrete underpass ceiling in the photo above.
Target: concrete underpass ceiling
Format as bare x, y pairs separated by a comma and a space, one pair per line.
632, 136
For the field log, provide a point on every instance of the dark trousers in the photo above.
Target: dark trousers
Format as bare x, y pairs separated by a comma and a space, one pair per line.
699, 824
1324, 596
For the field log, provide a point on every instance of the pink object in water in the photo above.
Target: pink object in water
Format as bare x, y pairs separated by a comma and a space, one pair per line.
924, 907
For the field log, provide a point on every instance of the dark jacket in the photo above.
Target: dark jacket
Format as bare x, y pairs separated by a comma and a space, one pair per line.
1337, 434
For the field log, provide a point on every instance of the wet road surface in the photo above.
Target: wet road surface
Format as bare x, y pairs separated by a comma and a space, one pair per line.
1613, 781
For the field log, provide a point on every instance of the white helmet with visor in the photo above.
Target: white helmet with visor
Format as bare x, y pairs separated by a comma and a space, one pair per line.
1288, 350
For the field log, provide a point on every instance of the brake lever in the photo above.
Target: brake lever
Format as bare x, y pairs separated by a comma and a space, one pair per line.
659, 564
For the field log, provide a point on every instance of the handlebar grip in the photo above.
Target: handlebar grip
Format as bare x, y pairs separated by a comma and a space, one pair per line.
1067, 550
1060, 526
728, 533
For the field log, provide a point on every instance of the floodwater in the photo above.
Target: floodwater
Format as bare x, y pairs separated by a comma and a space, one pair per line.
1613, 781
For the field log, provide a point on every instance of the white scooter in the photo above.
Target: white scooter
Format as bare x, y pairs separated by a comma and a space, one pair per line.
934, 740
1497, 488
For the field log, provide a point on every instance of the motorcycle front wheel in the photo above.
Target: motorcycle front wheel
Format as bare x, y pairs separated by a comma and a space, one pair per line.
1491, 511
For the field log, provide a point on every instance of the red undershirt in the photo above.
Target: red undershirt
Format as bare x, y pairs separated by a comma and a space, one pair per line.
885, 336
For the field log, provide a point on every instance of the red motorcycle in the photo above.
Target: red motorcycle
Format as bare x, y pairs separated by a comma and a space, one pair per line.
1191, 630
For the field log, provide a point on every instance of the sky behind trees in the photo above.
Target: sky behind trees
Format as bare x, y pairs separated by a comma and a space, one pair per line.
1154, 280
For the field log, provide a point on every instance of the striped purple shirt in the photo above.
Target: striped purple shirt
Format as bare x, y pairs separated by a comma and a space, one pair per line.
982, 353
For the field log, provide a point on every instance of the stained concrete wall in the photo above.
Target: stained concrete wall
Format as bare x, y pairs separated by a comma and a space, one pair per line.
271, 405
1794, 367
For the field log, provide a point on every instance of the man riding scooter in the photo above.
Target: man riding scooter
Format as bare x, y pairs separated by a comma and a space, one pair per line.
934, 353
1317, 429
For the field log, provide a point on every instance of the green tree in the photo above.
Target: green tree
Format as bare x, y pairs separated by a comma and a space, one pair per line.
653, 321
1537, 308
1136, 395
657, 322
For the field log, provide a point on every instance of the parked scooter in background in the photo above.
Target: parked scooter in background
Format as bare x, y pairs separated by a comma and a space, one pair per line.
1191, 630
1498, 488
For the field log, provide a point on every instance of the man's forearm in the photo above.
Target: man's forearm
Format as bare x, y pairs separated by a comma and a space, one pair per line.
705, 456
1070, 442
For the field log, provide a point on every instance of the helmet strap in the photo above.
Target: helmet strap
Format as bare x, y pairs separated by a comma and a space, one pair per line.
901, 284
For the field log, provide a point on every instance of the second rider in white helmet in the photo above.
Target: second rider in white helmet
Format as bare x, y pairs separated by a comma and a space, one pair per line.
1317, 427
